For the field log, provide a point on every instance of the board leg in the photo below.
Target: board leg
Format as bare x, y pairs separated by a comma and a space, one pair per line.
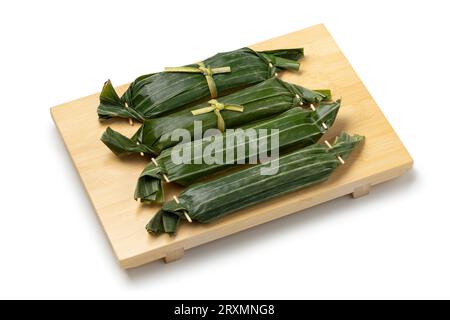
361, 191
174, 255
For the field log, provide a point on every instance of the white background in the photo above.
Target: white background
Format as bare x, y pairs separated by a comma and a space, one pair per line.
394, 243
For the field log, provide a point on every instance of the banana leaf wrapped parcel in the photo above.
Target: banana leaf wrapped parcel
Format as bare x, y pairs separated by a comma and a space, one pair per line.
258, 102
296, 127
208, 201
153, 95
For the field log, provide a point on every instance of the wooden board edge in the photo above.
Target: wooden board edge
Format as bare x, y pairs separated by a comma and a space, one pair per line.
54, 118
170, 251
241, 225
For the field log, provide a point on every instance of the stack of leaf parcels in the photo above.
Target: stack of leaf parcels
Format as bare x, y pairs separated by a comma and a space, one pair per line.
232, 90
261, 101
153, 95
209, 201
297, 127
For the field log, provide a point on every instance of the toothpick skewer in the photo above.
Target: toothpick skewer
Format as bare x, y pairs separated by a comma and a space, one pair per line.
298, 97
187, 217
271, 66
130, 121
175, 198
141, 153
330, 147
324, 125
164, 175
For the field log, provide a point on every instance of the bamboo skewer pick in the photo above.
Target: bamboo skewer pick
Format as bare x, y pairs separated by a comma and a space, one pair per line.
330, 147
326, 141
164, 175
341, 160
175, 198
271, 66
298, 97
130, 121
324, 125
141, 153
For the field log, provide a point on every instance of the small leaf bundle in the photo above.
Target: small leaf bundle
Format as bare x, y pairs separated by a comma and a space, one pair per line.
206, 202
261, 101
296, 127
153, 95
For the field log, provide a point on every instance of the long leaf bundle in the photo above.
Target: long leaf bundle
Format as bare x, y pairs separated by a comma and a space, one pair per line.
296, 127
206, 202
261, 101
153, 95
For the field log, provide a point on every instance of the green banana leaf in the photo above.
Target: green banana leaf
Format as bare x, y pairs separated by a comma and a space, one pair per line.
296, 127
155, 94
208, 201
261, 101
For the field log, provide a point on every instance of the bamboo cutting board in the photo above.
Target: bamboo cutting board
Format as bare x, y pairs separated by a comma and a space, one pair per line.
110, 181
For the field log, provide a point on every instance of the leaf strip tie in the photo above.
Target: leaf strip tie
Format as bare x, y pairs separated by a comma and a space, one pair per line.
216, 106
207, 71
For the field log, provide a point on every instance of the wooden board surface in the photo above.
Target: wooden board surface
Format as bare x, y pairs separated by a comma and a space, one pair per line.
110, 181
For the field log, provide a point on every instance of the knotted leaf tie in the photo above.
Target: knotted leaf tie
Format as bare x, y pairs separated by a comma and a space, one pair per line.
208, 72
216, 106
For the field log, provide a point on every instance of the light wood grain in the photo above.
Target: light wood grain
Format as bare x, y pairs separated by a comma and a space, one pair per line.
174, 255
110, 181
361, 191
